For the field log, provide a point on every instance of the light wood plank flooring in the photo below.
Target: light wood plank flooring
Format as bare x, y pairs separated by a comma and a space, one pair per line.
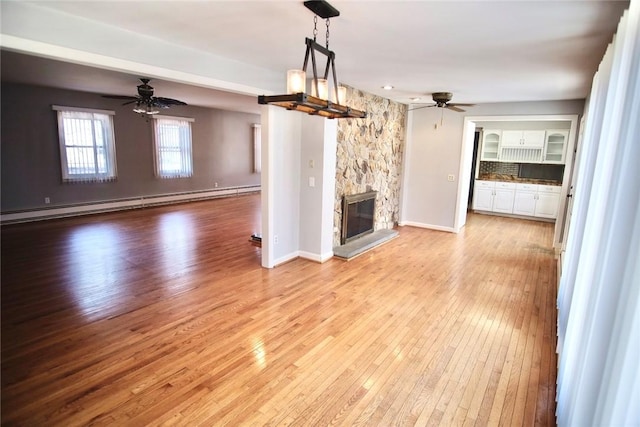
164, 316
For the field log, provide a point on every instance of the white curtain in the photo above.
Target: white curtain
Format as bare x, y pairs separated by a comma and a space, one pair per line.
599, 294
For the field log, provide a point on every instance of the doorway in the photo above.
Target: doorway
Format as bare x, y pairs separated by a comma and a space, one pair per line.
474, 164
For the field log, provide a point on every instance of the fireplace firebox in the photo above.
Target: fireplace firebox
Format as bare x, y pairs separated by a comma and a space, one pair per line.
358, 215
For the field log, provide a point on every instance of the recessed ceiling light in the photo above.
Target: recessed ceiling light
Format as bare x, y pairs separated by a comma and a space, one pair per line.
387, 87
415, 99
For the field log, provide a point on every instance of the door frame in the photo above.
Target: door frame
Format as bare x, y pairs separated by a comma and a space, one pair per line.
466, 159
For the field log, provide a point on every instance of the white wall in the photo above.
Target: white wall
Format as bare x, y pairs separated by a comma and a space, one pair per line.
318, 163
434, 150
281, 131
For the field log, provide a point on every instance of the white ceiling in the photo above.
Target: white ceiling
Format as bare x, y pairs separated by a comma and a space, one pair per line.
482, 51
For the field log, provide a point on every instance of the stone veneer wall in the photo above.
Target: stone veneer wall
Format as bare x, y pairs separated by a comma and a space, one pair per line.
369, 157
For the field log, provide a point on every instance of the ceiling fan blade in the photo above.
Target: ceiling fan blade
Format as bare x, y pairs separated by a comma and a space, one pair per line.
125, 97
130, 102
423, 106
454, 108
455, 104
168, 101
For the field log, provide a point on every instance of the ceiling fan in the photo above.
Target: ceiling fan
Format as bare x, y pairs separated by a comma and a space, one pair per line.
442, 99
145, 102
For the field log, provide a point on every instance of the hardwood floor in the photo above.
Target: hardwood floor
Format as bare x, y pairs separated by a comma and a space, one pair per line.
164, 316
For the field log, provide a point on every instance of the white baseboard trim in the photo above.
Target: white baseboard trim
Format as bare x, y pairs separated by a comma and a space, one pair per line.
429, 226
121, 204
315, 257
286, 258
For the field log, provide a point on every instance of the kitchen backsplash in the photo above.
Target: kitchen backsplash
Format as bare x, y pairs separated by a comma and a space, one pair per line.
501, 168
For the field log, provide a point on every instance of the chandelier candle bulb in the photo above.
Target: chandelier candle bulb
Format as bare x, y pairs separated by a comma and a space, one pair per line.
323, 89
342, 95
296, 81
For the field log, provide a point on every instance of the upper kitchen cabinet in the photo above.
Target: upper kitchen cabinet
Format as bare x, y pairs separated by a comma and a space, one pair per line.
490, 145
522, 146
523, 138
555, 146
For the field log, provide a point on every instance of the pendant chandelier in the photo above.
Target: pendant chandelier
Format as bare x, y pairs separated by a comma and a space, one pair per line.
322, 101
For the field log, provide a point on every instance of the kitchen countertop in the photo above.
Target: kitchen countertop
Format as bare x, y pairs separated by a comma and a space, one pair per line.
516, 179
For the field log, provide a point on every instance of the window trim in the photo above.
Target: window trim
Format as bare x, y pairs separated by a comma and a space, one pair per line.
110, 146
156, 152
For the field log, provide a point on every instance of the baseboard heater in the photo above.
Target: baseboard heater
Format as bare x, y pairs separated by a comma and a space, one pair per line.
120, 204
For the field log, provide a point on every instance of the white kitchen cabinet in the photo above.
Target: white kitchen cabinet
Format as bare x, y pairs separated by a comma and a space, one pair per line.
493, 196
548, 201
555, 146
522, 146
537, 200
490, 145
483, 195
523, 138
525, 199
503, 196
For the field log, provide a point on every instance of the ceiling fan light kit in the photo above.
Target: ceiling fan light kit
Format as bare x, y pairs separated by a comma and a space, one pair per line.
145, 103
323, 101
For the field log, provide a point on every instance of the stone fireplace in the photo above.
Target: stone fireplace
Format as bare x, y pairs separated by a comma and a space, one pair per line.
369, 156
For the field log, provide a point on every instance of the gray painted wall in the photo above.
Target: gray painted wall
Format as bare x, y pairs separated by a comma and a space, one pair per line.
222, 150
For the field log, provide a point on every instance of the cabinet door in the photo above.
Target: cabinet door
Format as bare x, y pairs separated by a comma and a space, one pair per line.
511, 138
490, 145
525, 202
503, 200
483, 196
547, 205
533, 138
555, 146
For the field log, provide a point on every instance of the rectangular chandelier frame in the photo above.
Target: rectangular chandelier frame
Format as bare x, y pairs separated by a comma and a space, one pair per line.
312, 104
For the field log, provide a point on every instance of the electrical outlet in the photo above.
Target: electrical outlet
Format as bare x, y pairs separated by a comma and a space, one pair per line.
451, 177
311, 164
312, 181
215, 185
47, 200
275, 239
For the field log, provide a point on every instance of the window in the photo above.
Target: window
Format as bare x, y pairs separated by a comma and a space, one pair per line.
87, 149
173, 147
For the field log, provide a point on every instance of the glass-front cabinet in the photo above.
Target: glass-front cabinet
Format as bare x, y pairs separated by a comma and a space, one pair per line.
490, 145
555, 146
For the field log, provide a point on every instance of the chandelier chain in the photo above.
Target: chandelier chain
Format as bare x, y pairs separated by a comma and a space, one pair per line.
315, 27
327, 37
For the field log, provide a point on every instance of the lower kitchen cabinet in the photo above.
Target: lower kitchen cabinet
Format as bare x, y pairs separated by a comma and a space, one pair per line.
493, 196
525, 199
504, 194
533, 200
548, 201
537, 200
